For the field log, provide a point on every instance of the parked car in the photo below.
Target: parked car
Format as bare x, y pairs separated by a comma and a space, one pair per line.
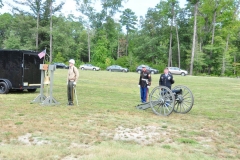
176, 70
149, 69
61, 65
116, 68
89, 67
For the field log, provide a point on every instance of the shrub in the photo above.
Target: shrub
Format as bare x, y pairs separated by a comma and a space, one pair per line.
122, 61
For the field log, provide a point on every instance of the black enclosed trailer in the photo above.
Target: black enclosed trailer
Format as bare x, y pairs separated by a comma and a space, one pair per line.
19, 70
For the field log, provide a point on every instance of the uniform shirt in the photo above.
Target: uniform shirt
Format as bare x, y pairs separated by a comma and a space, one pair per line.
73, 74
166, 80
143, 77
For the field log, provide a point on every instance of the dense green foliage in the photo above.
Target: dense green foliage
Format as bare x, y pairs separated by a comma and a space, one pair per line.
131, 40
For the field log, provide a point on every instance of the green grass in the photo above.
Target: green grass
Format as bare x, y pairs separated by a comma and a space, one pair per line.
185, 140
18, 123
107, 106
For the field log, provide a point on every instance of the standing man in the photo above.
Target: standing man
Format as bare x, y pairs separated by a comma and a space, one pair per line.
166, 79
72, 78
144, 83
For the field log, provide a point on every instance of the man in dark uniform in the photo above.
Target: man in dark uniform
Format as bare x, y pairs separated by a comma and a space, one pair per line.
144, 83
166, 79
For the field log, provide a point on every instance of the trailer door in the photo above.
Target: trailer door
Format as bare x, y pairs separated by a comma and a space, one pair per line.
32, 73
11, 67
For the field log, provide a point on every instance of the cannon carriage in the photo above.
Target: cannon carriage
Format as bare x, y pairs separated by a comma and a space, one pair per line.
164, 101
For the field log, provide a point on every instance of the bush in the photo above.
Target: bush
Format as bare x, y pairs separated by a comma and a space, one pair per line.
78, 63
133, 67
130, 62
122, 61
103, 66
159, 67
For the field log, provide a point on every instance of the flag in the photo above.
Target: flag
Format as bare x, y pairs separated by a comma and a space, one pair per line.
42, 54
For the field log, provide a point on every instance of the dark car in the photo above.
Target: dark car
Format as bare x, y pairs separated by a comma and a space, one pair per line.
149, 69
61, 65
116, 68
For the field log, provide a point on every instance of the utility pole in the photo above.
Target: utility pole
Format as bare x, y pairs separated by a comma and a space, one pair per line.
50, 60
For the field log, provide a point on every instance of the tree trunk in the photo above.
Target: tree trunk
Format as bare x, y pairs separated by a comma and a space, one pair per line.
178, 43
234, 69
89, 47
37, 31
200, 45
127, 45
224, 57
118, 47
194, 37
235, 14
212, 42
50, 60
170, 50
170, 40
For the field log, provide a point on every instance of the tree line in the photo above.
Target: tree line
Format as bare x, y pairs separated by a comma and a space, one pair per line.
203, 37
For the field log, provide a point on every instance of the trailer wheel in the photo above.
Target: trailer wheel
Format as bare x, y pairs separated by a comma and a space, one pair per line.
32, 90
3, 88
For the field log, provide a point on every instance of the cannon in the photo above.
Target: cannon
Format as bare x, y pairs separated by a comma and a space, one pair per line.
164, 101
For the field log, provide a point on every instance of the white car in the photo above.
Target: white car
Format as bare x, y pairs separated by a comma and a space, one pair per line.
89, 67
176, 70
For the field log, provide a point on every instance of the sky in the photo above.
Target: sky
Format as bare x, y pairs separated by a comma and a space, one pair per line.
140, 7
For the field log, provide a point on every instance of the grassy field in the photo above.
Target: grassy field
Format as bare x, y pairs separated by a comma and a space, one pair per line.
106, 124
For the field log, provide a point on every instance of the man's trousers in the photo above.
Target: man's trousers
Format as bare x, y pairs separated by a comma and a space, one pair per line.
144, 94
70, 92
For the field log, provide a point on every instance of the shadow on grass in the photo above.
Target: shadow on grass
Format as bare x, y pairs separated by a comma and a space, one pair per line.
19, 91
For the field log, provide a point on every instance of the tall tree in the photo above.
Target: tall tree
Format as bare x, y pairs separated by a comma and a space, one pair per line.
172, 16
231, 9
210, 10
1, 4
89, 44
22, 27
175, 14
178, 42
111, 7
101, 51
5, 25
128, 19
70, 39
195, 3
50, 35
50, 12
85, 7
35, 8
41, 10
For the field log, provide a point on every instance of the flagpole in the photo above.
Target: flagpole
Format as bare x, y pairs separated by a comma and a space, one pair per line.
44, 55
43, 59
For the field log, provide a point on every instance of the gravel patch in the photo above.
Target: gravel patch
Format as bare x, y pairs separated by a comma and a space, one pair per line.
29, 140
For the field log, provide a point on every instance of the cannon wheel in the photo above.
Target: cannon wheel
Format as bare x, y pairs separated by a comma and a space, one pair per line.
184, 100
162, 100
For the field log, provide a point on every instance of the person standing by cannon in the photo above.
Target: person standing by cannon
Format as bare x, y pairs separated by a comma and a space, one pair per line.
72, 78
166, 79
144, 83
